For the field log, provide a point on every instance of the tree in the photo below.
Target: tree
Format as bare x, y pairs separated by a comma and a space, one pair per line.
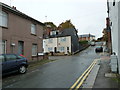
65, 25
51, 24
105, 35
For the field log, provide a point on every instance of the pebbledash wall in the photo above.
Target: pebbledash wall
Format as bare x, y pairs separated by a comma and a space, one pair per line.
114, 15
24, 29
61, 44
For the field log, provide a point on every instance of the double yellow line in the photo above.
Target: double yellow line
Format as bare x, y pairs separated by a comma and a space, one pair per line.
81, 79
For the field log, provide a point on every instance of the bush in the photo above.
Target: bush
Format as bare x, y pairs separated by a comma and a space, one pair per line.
83, 42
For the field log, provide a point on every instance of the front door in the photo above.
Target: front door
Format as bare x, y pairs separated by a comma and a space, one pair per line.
55, 49
21, 47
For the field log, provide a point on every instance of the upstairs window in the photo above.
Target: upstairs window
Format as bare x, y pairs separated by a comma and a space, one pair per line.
63, 39
3, 19
50, 40
33, 29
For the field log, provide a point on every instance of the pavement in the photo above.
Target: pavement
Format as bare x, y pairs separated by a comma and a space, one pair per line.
101, 76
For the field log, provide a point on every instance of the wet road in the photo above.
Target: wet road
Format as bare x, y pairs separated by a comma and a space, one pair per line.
61, 73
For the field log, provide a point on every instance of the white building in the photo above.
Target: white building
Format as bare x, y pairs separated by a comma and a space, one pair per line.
49, 45
114, 16
58, 44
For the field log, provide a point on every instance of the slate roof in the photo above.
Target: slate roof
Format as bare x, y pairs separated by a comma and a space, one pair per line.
15, 11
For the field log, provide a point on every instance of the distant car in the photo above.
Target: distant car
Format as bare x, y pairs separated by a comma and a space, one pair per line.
13, 63
99, 43
99, 49
92, 43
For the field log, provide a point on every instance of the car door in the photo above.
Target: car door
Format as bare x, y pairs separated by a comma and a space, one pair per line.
11, 62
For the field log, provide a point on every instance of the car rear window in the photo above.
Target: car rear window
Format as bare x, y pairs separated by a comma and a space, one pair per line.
98, 47
11, 57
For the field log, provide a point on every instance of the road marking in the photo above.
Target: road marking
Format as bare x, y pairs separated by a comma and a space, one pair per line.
84, 75
79, 85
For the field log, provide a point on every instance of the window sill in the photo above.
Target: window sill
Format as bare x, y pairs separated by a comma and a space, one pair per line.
4, 27
34, 55
33, 34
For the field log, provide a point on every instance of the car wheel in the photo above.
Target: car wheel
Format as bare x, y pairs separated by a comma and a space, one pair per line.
22, 69
96, 51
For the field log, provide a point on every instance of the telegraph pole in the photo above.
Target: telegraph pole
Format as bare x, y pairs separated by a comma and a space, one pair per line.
46, 18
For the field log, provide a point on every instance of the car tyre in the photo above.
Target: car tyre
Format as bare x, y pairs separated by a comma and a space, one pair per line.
96, 51
22, 69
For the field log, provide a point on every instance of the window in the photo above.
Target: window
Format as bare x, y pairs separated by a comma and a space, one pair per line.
34, 50
33, 29
3, 47
10, 57
50, 40
2, 59
3, 19
53, 33
63, 39
50, 49
61, 49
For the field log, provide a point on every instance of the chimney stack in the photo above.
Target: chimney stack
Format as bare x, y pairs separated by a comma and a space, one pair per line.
14, 7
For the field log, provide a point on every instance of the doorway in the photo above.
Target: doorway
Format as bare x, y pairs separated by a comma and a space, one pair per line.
21, 47
55, 49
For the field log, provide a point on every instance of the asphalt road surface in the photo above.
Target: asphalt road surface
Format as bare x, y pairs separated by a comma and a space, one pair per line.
61, 73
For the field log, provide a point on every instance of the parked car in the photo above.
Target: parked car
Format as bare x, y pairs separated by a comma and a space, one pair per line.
106, 50
99, 49
13, 63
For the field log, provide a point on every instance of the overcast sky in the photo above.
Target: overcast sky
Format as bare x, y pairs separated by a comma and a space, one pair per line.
88, 16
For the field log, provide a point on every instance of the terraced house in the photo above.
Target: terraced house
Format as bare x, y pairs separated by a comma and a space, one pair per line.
21, 34
64, 42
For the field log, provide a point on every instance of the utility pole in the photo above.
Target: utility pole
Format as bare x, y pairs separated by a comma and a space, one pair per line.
46, 18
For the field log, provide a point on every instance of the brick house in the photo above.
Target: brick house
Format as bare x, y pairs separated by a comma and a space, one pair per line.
21, 34
86, 37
